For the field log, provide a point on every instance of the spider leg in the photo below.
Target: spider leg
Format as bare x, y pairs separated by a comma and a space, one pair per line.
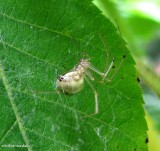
93, 68
124, 52
95, 95
113, 75
88, 73
108, 70
103, 74
44, 92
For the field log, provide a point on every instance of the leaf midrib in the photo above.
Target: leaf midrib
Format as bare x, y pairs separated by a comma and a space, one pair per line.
15, 110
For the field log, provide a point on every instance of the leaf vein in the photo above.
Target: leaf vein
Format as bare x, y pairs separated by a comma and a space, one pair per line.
84, 114
52, 139
10, 96
28, 54
14, 124
38, 26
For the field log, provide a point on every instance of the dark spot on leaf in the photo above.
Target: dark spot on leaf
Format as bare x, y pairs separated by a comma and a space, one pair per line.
138, 79
117, 146
122, 78
113, 66
135, 149
124, 56
146, 141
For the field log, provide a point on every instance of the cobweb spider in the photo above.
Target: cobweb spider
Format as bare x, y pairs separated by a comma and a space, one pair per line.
73, 81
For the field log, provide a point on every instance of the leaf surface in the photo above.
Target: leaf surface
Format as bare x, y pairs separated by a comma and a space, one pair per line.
41, 40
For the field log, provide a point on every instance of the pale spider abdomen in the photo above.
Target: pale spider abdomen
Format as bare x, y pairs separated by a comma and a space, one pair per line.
71, 82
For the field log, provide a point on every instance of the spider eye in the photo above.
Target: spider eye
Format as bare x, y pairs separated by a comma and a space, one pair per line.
60, 79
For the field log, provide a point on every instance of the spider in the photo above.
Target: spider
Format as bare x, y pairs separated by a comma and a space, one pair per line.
73, 81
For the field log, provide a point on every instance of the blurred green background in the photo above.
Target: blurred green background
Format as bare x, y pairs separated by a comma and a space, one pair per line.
139, 23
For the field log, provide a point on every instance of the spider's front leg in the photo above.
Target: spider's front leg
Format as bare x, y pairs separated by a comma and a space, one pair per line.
103, 74
106, 72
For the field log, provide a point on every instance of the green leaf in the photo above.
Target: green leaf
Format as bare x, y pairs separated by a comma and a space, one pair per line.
41, 40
